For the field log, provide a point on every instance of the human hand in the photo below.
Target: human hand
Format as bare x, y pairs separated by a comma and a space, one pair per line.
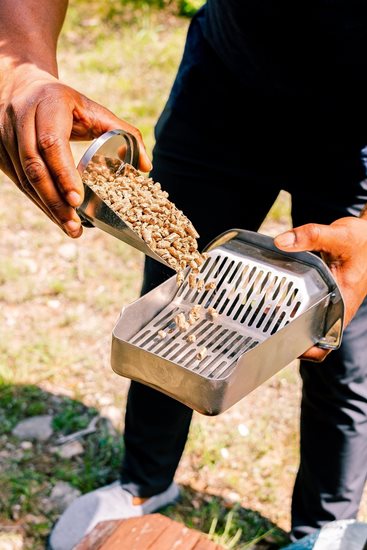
343, 246
39, 116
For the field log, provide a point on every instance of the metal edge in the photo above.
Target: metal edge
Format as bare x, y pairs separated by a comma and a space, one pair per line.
101, 140
213, 390
269, 363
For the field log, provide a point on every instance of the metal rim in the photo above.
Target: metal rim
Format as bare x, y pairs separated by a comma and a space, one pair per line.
132, 151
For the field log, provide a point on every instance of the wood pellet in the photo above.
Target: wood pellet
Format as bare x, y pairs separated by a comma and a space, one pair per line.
210, 285
194, 314
181, 322
202, 353
145, 207
212, 312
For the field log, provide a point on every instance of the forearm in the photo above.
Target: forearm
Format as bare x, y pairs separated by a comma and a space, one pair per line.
39, 115
29, 30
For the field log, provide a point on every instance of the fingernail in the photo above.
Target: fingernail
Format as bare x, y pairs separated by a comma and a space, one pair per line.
286, 239
72, 227
73, 198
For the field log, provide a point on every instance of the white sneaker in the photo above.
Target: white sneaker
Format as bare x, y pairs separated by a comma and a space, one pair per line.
106, 503
342, 534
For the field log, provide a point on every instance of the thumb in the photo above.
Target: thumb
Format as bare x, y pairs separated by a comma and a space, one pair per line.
101, 120
311, 237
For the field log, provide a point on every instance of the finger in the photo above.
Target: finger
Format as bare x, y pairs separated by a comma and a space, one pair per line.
54, 122
11, 166
40, 180
101, 120
25, 188
315, 355
312, 236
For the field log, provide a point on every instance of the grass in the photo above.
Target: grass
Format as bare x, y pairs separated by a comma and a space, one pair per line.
58, 311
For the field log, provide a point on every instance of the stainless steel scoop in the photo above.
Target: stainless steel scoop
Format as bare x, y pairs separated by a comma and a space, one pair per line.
114, 150
272, 307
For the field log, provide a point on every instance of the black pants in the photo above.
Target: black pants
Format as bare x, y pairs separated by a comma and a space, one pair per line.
315, 151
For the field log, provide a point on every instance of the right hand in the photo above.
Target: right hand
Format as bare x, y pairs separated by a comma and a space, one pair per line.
343, 246
39, 116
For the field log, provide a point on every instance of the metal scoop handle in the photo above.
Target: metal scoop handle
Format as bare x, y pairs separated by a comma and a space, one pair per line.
115, 145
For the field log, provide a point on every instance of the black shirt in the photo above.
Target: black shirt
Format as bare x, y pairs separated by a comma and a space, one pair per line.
289, 46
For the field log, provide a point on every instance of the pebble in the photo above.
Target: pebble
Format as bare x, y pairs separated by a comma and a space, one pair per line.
26, 445
68, 251
243, 430
54, 304
114, 414
68, 450
11, 541
225, 453
35, 427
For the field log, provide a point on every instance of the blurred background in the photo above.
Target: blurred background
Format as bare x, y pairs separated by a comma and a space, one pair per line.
59, 300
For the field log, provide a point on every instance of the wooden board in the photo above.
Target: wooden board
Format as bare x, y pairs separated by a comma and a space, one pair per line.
150, 532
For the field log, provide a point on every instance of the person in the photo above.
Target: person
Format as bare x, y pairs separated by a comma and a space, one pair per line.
267, 96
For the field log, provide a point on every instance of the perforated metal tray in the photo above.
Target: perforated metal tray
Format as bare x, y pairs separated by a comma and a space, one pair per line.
272, 307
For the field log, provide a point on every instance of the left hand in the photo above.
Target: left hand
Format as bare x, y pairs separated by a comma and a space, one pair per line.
343, 246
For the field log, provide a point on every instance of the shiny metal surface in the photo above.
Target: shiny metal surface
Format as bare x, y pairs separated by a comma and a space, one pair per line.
115, 145
272, 307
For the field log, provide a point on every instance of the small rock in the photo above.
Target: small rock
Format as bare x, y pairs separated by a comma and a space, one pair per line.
15, 512
243, 430
35, 427
31, 518
104, 400
54, 304
11, 541
26, 445
114, 414
31, 265
68, 251
68, 450
5, 454
224, 452
233, 497
62, 495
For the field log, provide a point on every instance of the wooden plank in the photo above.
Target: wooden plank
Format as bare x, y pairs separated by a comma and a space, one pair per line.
150, 532
205, 544
176, 537
98, 535
137, 533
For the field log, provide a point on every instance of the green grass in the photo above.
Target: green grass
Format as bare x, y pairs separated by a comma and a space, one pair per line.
27, 476
233, 528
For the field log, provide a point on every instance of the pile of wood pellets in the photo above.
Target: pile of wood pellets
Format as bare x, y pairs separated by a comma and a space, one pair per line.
147, 210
